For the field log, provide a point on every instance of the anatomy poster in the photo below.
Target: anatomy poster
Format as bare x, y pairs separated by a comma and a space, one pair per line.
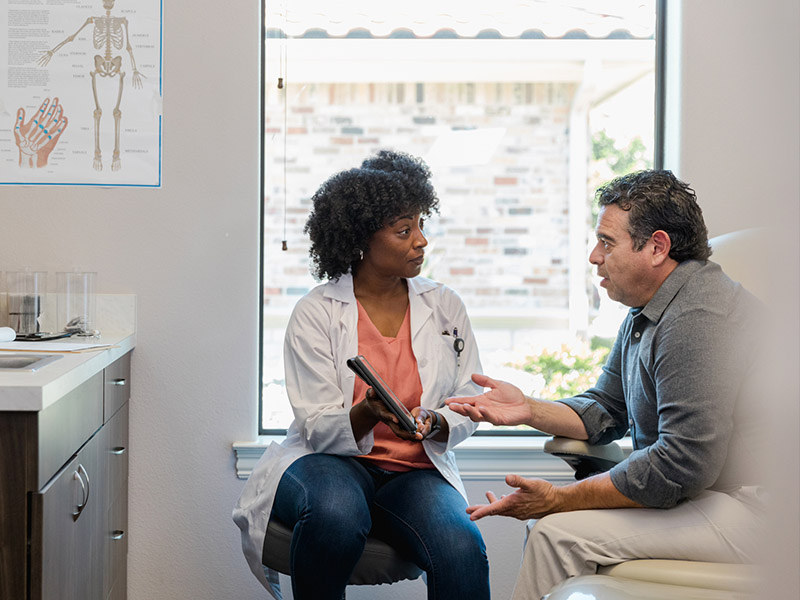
80, 98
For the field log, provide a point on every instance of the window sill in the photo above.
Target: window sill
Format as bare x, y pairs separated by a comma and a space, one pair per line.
479, 458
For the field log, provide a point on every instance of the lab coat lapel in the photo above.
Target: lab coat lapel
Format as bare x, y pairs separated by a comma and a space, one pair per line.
421, 311
341, 289
344, 325
421, 298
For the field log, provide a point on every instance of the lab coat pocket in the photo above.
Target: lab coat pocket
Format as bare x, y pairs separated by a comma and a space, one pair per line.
447, 366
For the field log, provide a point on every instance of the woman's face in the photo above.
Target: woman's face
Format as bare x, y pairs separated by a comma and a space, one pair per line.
397, 249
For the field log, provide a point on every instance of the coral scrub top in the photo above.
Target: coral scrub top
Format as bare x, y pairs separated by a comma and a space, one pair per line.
394, 359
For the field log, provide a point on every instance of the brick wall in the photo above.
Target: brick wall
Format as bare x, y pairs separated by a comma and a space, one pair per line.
501, 238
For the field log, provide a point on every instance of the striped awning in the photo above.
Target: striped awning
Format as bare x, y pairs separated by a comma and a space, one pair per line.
493, 19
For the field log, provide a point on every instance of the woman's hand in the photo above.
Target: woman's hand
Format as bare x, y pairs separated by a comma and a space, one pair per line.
426, 419
371, 411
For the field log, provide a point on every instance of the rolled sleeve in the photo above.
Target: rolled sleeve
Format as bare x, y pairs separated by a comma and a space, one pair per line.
600, 426
602, 408
639, 478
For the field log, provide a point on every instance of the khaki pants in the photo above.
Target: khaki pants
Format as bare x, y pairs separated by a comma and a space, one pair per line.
714, 527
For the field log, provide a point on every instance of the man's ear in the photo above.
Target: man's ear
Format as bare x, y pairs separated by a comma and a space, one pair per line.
661, 247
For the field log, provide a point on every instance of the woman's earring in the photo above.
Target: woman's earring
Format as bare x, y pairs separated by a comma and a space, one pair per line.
360, 255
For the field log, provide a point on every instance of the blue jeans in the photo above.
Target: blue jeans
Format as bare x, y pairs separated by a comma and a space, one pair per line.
334, 502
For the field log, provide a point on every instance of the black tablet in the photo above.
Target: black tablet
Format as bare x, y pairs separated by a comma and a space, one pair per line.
361, 367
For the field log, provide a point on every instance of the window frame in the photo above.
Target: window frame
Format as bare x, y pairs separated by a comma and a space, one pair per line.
660, 36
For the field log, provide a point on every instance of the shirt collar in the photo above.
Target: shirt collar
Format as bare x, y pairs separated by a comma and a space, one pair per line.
668, 290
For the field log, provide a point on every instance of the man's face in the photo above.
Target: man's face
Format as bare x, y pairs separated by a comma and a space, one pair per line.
626, 273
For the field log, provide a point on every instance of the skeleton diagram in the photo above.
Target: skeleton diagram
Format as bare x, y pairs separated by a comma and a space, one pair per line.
109, 34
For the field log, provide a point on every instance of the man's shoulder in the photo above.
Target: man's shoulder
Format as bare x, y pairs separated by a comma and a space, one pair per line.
710, 304
708, 288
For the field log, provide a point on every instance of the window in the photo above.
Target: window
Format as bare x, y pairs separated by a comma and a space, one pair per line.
520, 109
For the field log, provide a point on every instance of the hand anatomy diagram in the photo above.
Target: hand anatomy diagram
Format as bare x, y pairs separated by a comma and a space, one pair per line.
37, 137
109, 35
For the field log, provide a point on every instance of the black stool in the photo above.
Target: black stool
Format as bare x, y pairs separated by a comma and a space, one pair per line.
380, 563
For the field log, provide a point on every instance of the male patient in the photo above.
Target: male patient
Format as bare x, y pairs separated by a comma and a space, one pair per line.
678, 377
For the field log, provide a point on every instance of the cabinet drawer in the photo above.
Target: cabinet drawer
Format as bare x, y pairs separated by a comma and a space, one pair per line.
66, 425
117, 453
116, 524
117, 388
115, 572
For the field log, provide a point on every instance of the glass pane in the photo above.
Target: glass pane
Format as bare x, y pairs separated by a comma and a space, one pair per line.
519, 125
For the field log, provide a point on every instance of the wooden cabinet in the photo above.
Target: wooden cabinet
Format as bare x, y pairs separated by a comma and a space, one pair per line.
64, 494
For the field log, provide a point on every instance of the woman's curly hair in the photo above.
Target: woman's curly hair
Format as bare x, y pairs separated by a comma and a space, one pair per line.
352, 205
658, 200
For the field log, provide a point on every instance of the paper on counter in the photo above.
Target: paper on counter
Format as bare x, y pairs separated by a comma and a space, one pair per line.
52, 346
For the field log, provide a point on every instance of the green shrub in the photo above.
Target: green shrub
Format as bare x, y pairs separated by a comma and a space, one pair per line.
570, 370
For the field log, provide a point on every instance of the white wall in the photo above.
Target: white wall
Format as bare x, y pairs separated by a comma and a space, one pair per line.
739, 146
734, 135
189, 251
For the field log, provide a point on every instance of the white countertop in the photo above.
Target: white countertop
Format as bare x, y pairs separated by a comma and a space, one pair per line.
35, 391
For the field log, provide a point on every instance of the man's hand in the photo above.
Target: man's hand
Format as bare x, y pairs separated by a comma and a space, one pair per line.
533, 499
536, 498
503, 404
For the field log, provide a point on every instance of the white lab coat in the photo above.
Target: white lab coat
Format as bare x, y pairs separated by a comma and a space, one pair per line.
321, 335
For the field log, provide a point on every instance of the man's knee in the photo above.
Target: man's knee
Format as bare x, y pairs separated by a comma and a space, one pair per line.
556, 535
551, 527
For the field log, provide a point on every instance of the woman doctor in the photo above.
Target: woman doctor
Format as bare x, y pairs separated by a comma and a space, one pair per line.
346, 468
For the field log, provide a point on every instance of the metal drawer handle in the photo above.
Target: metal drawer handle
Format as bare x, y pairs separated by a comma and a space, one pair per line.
120, 382
85, 491
117, 534
118, 450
